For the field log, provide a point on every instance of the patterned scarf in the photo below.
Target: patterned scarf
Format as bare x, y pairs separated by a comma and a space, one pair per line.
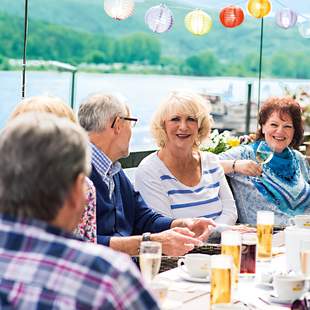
283, 184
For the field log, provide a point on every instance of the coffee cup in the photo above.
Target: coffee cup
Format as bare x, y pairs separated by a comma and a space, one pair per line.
196, 265
301, 221
289, 286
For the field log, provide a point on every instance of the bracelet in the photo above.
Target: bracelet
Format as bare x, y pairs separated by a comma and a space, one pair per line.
234, 166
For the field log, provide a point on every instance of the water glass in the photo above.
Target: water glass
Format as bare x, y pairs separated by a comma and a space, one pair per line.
265, 222
221, 279
231, 245
150, 259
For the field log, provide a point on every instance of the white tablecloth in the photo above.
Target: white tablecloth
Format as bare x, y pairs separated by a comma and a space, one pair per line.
183, 294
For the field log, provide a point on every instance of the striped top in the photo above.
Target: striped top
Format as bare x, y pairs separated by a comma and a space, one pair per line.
210, 198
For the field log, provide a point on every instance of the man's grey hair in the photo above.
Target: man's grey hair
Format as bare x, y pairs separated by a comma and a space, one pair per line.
98, 110
41, 156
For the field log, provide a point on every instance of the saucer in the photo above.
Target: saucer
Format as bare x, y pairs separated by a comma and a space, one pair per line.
273, 297
185, 276
170, 304
265, 285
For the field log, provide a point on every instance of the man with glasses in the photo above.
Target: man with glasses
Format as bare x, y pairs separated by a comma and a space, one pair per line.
43, 164
123, 218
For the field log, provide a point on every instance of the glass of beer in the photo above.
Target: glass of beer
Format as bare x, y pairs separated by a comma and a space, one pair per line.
149, 259
221, 279
305, 258
265, 221
231, 245
248, 254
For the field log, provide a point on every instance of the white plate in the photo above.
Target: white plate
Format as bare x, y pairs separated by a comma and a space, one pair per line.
170, 304
274, 298
265, 284
185, 276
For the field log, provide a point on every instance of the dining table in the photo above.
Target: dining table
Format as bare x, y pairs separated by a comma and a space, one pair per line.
252, 292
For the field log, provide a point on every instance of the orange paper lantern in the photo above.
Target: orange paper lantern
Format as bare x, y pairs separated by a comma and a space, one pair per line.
231, 16
259, 8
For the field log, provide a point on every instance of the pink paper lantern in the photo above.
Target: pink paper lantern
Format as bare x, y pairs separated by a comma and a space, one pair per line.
286, 18
119, 9
159, 18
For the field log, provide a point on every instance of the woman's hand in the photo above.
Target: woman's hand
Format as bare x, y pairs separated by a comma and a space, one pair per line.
202, 227
248, 167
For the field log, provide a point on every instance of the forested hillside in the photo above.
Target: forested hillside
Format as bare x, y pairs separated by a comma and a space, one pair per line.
78, 31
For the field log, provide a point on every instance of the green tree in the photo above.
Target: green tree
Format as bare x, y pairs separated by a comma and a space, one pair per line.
281, 65
204, 64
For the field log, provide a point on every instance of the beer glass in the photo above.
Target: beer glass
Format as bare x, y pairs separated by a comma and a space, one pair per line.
150, 258
305, 258
248, 254
265, 221
221, 279
231, 245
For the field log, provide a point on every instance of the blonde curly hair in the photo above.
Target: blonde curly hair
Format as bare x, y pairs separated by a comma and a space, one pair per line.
185, 102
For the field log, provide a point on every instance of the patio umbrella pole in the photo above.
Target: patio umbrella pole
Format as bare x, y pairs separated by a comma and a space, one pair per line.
260, 60
25, 47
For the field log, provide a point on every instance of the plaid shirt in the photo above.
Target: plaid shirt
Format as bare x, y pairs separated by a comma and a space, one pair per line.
42, 267
105, 167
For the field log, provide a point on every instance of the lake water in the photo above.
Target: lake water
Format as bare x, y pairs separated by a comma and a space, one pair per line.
143, 92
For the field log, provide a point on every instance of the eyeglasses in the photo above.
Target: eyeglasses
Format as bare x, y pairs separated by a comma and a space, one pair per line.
301, 304
131, 119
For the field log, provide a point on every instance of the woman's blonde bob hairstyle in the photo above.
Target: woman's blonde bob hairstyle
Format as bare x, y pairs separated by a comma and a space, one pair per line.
47, 104
181, 102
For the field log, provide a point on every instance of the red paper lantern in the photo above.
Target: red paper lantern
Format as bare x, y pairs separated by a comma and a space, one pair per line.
231, 16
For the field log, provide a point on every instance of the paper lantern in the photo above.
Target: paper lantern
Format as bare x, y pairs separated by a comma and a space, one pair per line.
286, 18
119, 9
304, 29
259, 8
231, 16
159, 18
198, 22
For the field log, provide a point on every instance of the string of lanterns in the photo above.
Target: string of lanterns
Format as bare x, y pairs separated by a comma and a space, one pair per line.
160, 19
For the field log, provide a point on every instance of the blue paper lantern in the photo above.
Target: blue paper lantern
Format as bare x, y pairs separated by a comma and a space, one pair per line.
286, 18
159, 18
304, 29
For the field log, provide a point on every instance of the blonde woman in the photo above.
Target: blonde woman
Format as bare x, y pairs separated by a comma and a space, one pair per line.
87, 226
178, 180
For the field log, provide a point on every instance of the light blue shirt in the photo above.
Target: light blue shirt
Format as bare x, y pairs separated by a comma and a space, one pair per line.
105, 167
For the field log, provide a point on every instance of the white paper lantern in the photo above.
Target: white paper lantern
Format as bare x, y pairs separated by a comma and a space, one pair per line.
304, 29
159, 18
286, 18
119, 9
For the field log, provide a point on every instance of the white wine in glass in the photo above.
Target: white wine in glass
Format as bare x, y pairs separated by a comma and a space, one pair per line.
150, 259
263, 153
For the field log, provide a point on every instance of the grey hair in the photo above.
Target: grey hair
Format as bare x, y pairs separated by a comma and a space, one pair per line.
98, 110
41, 156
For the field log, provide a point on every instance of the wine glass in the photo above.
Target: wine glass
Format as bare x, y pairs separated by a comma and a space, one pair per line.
150, 258
264, 153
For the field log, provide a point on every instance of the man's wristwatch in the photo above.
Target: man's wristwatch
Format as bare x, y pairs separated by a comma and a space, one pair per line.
146, 236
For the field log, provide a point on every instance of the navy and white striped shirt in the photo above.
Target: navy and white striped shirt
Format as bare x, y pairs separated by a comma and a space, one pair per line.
210, 198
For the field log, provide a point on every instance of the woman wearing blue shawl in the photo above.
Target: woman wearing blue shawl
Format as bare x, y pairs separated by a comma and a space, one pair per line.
283, 186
